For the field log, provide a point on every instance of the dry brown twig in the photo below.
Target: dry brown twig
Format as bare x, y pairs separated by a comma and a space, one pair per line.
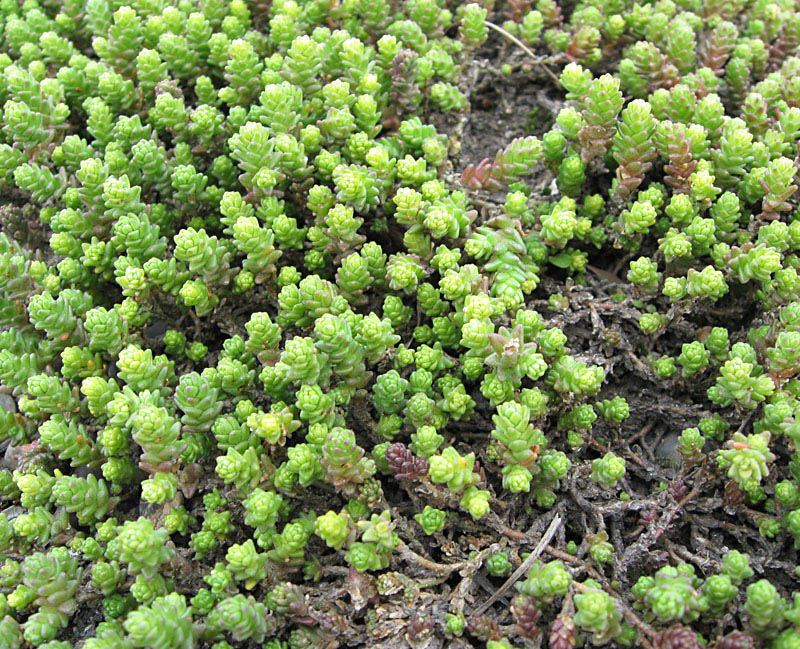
524, 566
409, 555
651, 535
524, 48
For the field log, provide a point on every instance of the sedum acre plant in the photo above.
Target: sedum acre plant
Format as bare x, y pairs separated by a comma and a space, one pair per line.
265, 316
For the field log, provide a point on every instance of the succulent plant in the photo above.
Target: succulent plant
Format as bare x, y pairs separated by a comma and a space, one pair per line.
263, 320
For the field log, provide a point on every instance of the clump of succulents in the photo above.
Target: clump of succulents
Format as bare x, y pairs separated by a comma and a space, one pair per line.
259, 326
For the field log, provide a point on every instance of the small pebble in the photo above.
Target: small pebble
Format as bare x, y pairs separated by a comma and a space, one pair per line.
667, 451
7, 403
